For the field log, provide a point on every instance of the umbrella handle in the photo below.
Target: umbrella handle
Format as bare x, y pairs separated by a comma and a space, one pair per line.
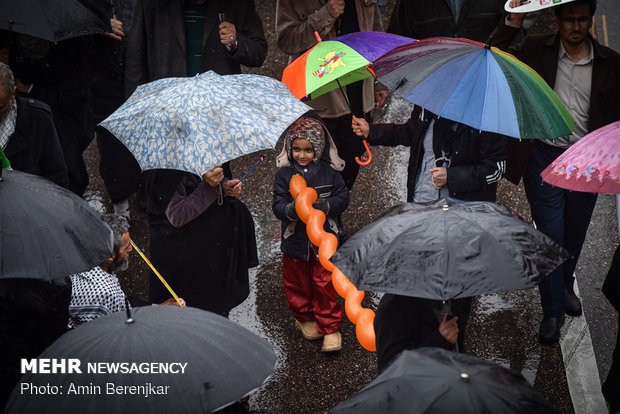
366, 159
161, 278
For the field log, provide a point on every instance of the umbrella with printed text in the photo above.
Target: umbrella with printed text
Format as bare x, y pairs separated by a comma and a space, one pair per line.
528, 6
160, 359
337, 62
592, 164
477, 85
196, 123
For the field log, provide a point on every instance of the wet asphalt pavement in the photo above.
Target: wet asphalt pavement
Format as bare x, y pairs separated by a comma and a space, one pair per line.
503, 328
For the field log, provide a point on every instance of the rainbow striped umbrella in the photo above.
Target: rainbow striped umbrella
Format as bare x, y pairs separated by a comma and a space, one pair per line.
477, 85
338, 62
592, 164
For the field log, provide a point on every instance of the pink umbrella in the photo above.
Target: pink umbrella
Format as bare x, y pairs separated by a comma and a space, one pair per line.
591, 165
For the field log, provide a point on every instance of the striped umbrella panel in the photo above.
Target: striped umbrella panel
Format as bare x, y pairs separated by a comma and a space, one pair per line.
484, 88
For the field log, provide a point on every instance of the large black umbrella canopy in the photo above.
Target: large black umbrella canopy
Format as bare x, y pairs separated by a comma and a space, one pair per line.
437, 381
46, 231
447, 250
224, 362
56, 20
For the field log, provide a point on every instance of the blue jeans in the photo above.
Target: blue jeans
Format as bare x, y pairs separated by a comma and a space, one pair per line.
562, 215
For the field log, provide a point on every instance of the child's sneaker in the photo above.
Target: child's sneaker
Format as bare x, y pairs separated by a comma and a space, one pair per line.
308, 329
332, 342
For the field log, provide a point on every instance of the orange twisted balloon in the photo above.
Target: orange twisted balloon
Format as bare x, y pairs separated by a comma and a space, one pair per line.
363, 318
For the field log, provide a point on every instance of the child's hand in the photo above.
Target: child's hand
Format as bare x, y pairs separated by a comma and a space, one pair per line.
360, 127
290, 211
321, 204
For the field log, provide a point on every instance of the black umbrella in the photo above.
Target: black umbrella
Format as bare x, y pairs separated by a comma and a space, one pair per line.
56, 20
447, 250
434, 380
210, 363
46, 231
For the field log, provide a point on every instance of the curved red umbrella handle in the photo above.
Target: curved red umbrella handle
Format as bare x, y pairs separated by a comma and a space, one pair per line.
366, 159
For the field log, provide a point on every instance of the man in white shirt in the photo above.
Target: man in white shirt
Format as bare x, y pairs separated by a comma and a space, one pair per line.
586, 77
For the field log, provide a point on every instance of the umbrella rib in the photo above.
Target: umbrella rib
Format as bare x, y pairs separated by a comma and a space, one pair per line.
519, 76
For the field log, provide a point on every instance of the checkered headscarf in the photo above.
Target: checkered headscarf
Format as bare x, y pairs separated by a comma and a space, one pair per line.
7, 125
309, 129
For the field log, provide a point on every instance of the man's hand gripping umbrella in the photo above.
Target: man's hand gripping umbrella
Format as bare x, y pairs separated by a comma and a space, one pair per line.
363, 318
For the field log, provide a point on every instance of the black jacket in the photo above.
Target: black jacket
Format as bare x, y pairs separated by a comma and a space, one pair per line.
34, 147
540, 52
33, 314
156, 44
431, 18
477, 158
205, 261
328, 184
407, 322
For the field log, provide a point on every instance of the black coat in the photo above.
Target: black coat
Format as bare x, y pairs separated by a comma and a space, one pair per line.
34, 147
33, 314
405, 322
156, 44
477, 158
540, 52
329, 186
431, 18
60, 78
205, 261
119, 169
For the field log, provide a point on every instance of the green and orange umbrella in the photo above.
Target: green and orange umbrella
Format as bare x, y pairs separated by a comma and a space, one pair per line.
337, 62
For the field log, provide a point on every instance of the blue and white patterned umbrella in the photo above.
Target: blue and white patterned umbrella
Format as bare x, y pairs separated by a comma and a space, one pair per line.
193, 124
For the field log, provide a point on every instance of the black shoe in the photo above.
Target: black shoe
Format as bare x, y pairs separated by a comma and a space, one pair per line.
549, 331
572, 305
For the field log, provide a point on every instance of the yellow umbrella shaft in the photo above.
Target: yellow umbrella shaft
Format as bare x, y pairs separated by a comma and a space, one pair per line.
148, 262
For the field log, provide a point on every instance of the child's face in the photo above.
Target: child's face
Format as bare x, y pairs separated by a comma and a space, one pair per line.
303, 151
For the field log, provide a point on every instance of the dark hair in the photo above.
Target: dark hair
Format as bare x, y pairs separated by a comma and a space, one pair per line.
590, 3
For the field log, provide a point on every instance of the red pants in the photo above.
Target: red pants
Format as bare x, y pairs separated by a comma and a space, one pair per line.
310, 293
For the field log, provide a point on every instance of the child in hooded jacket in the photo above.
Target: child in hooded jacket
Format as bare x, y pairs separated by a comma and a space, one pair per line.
310, 152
